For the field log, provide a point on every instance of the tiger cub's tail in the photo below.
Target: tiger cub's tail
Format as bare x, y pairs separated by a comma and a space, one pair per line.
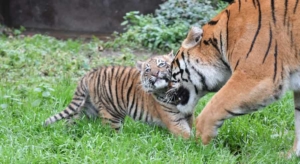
74, 108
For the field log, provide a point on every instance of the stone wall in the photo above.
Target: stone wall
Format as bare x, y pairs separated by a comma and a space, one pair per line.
94, 16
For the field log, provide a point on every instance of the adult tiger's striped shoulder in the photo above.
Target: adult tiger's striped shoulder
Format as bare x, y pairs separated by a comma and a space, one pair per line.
250, 54
114, 92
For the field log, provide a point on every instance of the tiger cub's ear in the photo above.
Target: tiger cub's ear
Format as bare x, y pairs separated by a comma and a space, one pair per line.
193, 38
171, 55
139, 65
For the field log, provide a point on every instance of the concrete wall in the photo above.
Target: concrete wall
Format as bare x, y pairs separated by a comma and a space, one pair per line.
100, 16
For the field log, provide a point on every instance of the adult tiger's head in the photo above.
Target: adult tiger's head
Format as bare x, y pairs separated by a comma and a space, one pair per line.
199, 65
156, 72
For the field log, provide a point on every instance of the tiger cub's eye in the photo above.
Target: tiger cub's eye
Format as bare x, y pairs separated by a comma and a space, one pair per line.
160, 63
147, 68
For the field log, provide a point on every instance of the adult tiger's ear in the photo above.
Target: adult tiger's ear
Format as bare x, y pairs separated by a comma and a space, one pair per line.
139, 65
193, 38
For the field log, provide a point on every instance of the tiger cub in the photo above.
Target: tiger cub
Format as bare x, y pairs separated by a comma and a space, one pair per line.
114, 92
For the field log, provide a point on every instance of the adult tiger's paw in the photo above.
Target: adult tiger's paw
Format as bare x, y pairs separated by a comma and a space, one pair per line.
204, 130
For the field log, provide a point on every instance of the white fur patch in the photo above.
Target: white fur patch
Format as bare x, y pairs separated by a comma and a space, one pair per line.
160, 83
295, 81
297, 129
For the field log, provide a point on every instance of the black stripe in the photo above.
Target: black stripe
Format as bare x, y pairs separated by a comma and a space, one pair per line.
225, 64
269, 45
258, 28
214, 42
285, 11
179, 119
175, 74
178, 65
183, 79
66, 112
239, 5
102, 91
237, 63
74, 103
181, 70
292, 38
186, 70
122, 86
206, 42
177, 53
297, 109
135, 110
101, 84
60, 114
253, 1
188, 57
115, 112
221, 43
273, 11
182, 55
234, 114
142, 110
117, 79
132, 102
129, 89
97, 86
114, 121
275, 63
213, 22
227, 30
204, 87
78, 98
196, 89
147, 118
71, 108
288, 25
296, 5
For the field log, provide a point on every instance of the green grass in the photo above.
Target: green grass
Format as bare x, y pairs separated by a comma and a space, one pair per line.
38, 78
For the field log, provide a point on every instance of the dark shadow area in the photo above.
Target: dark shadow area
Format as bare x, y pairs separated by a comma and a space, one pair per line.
72, 17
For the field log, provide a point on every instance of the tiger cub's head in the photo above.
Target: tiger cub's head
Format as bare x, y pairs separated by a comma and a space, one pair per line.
155, 72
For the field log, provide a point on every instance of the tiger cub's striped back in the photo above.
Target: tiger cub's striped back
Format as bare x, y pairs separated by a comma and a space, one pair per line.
114, 92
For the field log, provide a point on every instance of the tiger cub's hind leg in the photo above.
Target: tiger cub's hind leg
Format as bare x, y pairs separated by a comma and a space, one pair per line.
112, 118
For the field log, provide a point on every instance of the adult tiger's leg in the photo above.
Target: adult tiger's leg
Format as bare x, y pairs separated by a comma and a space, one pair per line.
242, 94
296, 147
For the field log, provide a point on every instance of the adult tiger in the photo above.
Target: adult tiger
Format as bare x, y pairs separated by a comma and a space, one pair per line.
250, 54
114, 92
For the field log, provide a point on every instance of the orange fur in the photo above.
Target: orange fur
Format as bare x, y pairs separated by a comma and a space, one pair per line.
250, 54
115, 92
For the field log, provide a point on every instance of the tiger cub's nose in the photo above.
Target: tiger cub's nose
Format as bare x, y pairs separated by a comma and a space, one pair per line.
155, 73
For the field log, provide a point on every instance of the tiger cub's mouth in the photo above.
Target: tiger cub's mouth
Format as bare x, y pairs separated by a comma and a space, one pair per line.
159, 83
